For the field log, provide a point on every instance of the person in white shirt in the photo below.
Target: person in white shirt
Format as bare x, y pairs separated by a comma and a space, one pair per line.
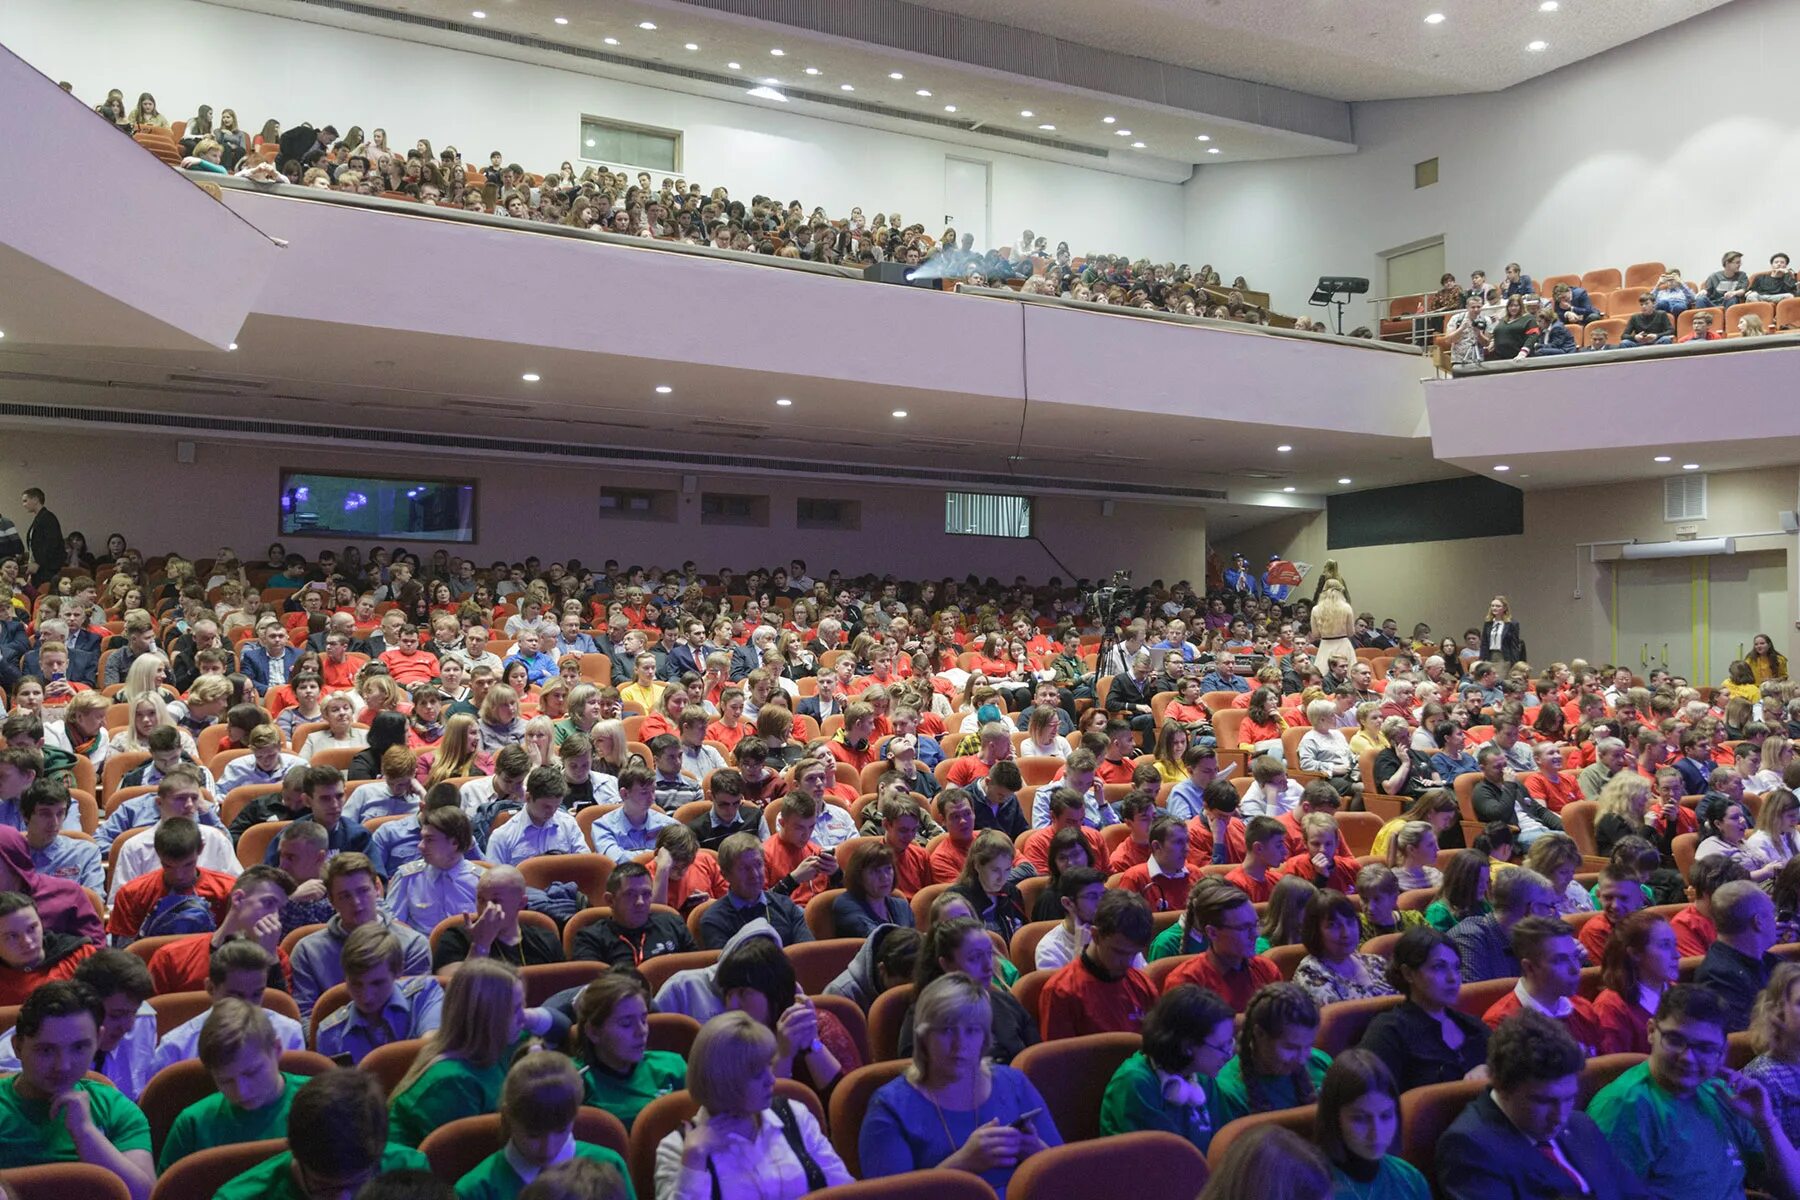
239, 970
542, 826
441, 882
127, 1045
1271, 792
177, 795
1078, 890
341, 730
631, 828
1323, 749
267, 762
697, 758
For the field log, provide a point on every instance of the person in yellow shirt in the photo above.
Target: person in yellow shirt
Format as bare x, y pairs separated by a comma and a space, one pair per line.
643, 692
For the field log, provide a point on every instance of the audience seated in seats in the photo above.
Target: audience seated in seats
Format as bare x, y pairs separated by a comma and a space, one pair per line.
1319, 862
538, 1103
354, 890
1426, 1039
1639, 963
955, 941
338, 1136
868, 900
618, 1073
1229, 965
748, 898
1685, 1124
1693, 925
49, 857
179, 897
385, 1005
61, 905
1188, 1038
1619, 893
253, 912
1275, 1066
811, 1045
986, 883
1102, 990
1550, 972
632, 827
491, 927
441, 882
50, 1112
178, 795
1525, 1136
1738, 964
745, 1139
127, 1037
1357, 1127
1484, 942
989, 1116
240, 1048
239, 969
1333, 970
1774, 1031
632, 933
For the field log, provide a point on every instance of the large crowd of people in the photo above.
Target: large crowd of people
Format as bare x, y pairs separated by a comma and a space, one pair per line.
350, 801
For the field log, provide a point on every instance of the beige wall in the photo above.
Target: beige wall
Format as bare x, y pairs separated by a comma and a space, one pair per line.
1449, 584
227, 497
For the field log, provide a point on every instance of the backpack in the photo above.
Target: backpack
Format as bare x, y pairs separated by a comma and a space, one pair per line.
180, 912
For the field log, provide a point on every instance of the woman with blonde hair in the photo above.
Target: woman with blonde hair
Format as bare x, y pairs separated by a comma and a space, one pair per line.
147, 712
1775, 1032
1412, 853
612, 751
1624, 809
953, 1108
1751, 325
459, 1070
500, 725
1332, 621
746, 1140
146, 677
1775, 840
1777, 752
457, 755
584, 711
540, 742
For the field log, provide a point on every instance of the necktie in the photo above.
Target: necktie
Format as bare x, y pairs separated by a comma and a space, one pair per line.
1549, 1151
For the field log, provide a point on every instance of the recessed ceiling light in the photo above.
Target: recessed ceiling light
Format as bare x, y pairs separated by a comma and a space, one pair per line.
1205, 137
646, 24
772, 82
1534, 47
1108, 120
562, 20
1121, 133
1501, 467
2, 335
1434, 18
1283, 449
784, 402
610, 41
1287, 489
922, 92
1026, 112
479, 15
949, 108
1690, 466
812, 70
778, 52
1346, 479
895, 75
1051, 128
1213, 150
1663, 458
734, 66
1137, 145
844, 87
899, 412
1549, 6
692, 46
233, 345
530, 377
663, 389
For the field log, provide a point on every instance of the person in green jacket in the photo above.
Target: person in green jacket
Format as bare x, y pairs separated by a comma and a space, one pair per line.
1187, 1040
619, 1074
537, 1115
337, 1132
459, 1069
1276, 1065
242, 1052
1357, 1122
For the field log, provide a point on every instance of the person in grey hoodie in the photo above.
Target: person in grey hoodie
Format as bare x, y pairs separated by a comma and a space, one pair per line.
885, 961
695, 992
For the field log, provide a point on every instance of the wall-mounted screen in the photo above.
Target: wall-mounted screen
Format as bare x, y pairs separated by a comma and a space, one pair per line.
369, 506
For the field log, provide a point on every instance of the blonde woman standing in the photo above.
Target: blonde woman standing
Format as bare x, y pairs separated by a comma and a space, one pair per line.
1332, 621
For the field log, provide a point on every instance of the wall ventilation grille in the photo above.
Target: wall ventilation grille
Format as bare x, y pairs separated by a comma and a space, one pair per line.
1684, 497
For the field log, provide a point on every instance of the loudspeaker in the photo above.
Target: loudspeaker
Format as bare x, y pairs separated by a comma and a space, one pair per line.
184, 452
893, 272
1790, 521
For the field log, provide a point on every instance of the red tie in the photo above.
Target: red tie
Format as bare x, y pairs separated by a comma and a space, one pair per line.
1549, 1151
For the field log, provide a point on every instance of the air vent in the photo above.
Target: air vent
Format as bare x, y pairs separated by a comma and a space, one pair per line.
235, 382
1684, 497
1258, 473
717, 425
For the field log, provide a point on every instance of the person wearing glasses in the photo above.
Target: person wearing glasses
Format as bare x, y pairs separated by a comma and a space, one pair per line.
1685, 1123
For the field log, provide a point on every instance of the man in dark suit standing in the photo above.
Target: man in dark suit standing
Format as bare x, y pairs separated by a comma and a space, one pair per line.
1522, 1139
44, 540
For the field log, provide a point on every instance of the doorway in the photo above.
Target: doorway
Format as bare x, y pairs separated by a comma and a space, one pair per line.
1415, 272
968, 197
1694, 616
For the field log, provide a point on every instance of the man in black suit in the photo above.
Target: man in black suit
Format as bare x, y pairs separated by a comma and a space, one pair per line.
1522, 1139
44, 540
827, 703
1129, 698
749, 656
688, 656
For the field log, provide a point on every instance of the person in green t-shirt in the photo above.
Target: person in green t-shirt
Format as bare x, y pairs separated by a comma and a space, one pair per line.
1686, 1124
1187, 1040
50, 1112
537, 1115
337, 1131
242, 1052
612, 1030
1276, 1065
1358, 1120
459, 1069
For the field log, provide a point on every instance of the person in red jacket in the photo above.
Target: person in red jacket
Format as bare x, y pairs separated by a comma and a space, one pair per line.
1265, 849
1163, 880
1101, 992
1315, 797
1216, 836
1137, 812
31, 955
1230, 965
1320, 863
1619, 894
148, 905
1550, 963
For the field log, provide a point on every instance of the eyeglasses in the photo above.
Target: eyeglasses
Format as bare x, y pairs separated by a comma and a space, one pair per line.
1237, 928
1680, 1043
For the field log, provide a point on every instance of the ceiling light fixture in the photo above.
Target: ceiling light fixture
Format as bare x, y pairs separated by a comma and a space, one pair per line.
530, 377
1121, 133
233, 345
949, 108
899, 412
646, 24
1283, 449
784, 402
1048, 128
562, 20
663, 389
922, 92
1288, 489
479, 15
611, 41
1534, 47
731, 66
772, 82
1137, 145
1549, 6
1434, 18
1501, 467
1205, 137
778, 52
812, 70
1026, 112
1108, 120
1346, 479
895, 75
1213, 150
691, 46
1663, 458
1690, 466
844, 87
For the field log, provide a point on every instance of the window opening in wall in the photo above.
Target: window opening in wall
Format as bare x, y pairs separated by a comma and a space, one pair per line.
976, 514
1426, 173
811, 512
620, 144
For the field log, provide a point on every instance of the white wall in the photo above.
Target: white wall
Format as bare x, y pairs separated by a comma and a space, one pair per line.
188, 53
1665, 149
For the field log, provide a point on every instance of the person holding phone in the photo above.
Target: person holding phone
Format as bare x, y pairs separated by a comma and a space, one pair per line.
1684, 1122
953, 1108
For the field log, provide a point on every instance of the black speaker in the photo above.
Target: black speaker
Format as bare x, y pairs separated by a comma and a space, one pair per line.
893, 272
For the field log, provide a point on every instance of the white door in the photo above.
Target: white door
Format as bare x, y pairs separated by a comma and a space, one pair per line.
1746, 595
967, 197
1653, 615
1415, 272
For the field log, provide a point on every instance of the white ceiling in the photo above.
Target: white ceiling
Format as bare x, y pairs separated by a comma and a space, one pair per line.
1348, 49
